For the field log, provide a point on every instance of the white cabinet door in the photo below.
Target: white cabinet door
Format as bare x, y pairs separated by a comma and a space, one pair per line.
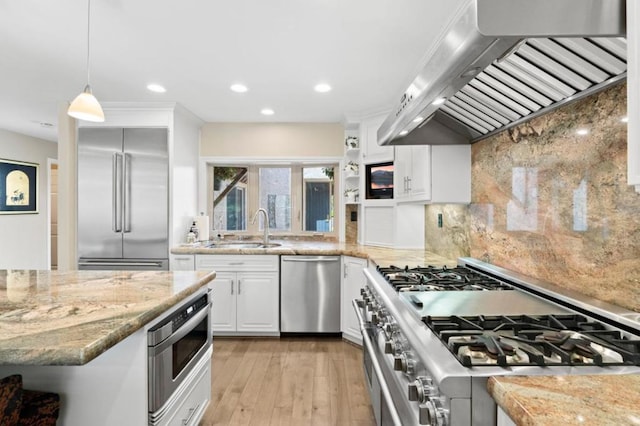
450, 174
420, 177
182, 262
352, 281
371, 151
401, 172
412, 173
258, 302
223, 297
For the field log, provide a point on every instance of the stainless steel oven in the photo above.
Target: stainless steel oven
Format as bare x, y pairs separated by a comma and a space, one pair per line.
176, 347
432, 336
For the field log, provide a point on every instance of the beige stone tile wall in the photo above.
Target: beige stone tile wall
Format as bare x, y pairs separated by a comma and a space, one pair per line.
553, 204
351, 227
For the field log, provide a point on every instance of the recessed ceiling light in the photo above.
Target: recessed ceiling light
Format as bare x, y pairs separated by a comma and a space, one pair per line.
625, 119
439, 101
267, 111
403, 133
582, 132
239, 88
322, 88
156, 88
418, 119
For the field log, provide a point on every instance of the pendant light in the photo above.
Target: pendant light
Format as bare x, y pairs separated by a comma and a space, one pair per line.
85, 106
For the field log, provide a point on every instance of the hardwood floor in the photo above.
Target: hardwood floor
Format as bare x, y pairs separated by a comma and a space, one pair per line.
287, 381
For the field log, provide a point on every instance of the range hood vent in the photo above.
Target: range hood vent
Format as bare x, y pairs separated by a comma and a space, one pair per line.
487, 83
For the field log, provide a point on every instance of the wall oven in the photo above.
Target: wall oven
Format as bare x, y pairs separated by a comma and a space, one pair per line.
179, 353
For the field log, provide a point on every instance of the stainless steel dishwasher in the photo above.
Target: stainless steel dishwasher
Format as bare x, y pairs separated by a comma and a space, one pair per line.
310, 294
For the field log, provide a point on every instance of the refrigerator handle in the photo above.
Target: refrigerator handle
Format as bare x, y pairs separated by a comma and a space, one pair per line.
116, 192
126, 208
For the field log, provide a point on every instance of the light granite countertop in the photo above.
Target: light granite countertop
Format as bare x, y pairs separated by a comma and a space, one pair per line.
380, 255
69, 318
569, 400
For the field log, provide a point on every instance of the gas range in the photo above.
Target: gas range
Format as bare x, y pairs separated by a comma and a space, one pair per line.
432, 336
432, 278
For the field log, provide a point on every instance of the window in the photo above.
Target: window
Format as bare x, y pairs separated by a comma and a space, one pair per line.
229, 195
318, 199
275, 196
298, 198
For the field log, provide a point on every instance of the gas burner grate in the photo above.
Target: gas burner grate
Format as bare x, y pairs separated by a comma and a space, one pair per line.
544, 340
432, 278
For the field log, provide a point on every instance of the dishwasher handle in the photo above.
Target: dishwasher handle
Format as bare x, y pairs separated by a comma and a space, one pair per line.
310, 259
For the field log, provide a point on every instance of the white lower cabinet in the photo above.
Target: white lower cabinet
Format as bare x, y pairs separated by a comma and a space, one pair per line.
353, 280
245, 293
182, 262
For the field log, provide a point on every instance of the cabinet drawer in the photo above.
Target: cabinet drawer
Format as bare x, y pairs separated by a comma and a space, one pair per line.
182, 262
237, 263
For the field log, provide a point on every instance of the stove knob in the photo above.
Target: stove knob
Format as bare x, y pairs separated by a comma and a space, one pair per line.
399, 362
421, 388
404, 363
432, 413
390, 328
388, 346
375, 315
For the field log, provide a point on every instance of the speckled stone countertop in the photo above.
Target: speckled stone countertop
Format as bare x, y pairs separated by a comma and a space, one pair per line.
69, 318
569, 400
380, 255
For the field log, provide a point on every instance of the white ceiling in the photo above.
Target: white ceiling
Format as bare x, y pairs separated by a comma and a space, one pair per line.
367, 50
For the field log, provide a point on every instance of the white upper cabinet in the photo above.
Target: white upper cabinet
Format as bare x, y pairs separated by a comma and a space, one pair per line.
371, 151
633, 93
412, 176
433, 174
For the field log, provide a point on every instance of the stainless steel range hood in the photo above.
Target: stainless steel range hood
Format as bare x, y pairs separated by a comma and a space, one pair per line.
501, 62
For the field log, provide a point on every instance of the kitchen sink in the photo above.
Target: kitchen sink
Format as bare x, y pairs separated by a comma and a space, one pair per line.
241, 245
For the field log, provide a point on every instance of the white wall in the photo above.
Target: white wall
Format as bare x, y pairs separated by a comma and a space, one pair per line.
184, 173
23, 237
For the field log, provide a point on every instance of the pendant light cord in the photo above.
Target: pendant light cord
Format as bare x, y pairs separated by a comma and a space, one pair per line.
88, 40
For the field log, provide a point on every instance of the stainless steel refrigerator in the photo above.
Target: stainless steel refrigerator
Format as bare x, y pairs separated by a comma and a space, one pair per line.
123, 199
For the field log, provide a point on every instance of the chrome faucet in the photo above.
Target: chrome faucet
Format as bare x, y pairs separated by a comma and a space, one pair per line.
265, 236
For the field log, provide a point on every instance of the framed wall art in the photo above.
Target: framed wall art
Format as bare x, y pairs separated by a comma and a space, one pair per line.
18, 187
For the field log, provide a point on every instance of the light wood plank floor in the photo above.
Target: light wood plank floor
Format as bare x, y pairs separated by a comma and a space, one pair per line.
288, 381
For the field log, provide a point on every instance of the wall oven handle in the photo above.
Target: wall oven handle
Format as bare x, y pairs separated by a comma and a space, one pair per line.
376, 365
181, 332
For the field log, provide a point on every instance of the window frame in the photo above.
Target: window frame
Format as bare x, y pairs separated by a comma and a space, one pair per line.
297, 191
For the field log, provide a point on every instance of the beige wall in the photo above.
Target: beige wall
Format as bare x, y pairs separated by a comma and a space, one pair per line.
23, 237
272, 140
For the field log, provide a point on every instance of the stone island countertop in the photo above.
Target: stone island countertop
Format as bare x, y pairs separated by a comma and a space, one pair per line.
569, 400
69, 318
380, 255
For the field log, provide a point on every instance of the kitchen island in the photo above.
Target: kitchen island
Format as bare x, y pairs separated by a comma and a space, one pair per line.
82, 334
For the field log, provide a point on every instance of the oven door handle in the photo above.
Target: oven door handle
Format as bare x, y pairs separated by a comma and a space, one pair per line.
376, 365
181, 332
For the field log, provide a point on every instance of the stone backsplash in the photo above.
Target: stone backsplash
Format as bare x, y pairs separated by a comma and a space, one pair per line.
552, 203
351, 225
